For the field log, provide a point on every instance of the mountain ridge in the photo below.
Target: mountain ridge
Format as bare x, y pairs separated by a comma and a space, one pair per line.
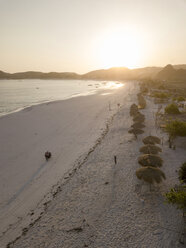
169, 72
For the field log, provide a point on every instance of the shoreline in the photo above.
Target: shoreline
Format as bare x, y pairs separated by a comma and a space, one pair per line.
99, 115
87, 93
94, 89
103, 204
48, 102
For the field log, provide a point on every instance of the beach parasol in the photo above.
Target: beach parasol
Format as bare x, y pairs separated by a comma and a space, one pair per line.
150, 149
133, 109
141, 101
151, 140
150, 160
136, 131
150, 174
138, 125
139, 118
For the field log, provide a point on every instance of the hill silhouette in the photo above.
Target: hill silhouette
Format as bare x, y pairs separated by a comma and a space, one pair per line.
169, 72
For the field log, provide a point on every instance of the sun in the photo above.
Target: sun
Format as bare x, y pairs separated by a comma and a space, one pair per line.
119, 48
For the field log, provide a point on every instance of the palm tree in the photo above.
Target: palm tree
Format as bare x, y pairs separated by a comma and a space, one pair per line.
150, 160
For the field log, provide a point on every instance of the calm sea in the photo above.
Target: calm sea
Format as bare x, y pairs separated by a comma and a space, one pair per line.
18, 94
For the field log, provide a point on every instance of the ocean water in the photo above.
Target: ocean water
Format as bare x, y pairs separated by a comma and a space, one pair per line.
18, 94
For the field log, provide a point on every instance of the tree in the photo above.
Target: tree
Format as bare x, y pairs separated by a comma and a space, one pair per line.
176, 128
182, 173
177, 196
172, 109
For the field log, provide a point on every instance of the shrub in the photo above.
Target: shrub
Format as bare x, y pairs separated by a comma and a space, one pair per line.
177, 196
176, 128
160, 95
172, 109
179, 99
182, 173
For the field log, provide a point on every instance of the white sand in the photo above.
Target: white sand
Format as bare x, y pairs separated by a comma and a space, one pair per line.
102, 204
66, 128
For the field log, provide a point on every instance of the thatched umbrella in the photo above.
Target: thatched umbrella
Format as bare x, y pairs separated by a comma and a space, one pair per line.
134, 106
139, 118
138, 114
150, 149
141, 101
152, 140
134, 112
150, 160
150, 174
133, 109
138, 125
136, 131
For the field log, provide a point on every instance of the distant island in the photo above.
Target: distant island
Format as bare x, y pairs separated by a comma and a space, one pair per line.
169, 72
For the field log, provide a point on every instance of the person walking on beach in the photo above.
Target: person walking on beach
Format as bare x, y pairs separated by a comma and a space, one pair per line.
47, 155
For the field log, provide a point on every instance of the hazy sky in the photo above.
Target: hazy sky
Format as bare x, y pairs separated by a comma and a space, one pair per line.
83, 35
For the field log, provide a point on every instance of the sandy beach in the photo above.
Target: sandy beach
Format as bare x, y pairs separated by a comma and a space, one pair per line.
69, 129
94, 203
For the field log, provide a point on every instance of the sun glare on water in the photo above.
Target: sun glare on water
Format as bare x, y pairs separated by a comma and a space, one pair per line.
113, 85
120, 48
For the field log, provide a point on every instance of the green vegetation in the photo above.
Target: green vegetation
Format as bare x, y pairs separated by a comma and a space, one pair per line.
176, 128
172, 109
182, 173
161, 95
179, 98
177, 196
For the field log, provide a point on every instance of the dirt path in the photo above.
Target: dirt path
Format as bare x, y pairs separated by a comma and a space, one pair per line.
105, 205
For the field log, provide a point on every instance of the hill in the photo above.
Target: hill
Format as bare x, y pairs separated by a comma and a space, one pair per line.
115, 73
39, 75
169, 73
